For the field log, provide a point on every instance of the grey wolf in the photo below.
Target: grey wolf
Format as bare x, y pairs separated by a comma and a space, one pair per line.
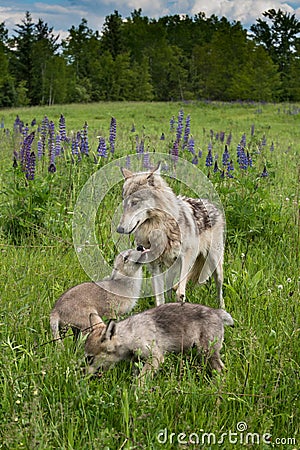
110, 297
183, 234
172, 327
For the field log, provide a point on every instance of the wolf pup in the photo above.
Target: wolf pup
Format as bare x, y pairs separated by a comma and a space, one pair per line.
110, 297
172, 327
184, 234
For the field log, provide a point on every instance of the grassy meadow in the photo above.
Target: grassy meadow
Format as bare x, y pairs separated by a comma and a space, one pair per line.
47, 401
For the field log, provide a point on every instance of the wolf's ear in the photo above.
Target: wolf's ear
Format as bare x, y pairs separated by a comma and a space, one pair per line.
95, 319
126, 173
110, 329
155, 171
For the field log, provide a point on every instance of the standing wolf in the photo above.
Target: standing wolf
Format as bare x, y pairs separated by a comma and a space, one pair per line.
184, 235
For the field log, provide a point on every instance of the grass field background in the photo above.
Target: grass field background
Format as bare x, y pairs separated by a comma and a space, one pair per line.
47, 402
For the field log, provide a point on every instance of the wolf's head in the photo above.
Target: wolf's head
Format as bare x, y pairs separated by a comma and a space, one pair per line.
145, 195
129, 262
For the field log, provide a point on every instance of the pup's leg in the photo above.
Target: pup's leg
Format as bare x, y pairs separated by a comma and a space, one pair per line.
158, 284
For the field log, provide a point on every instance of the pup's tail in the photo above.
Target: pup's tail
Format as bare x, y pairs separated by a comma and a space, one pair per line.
226, 317
54, 325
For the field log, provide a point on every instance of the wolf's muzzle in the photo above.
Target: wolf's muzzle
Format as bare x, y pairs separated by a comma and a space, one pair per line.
120, 230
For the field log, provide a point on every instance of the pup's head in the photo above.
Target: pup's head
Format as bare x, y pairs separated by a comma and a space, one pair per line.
129, 261
101, 345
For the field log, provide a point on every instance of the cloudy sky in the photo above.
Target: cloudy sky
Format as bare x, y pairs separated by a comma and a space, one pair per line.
62, 14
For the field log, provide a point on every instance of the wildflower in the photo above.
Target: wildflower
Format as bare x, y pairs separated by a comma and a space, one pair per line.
162, 137
191, 145
62, 128
141, 146
102, 151
51, 145
243, 140
225, 157
228, 141
216, 168
200, 154
179, 125
146, 160
75, 146
84, 143
26, 150
222, 174
112, 134
52, 168
2, 123
44, 131
249, 160
40, 149
242, 159
222, 136
174, 151
127, 161
280, 287
57, 145
172, 123
187, 130
15, 163
33, 122
264, 172
209, 158
30, 166
195, 160
264, 141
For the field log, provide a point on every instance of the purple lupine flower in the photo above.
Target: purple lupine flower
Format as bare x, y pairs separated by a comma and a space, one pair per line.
264, 172
2, 123
272, 147
26, 150
44, 130
228, 140
33, 122
57, 145
112, 134
195, 160
30, 166
222, 173
264, 141
242, 159
101, 150
84, 142
179, 125
162, 137
146, 160
141, 146
75, 146
172, 123
209, 158
211, 132
52, 167
18, 124
216, 168
174, 151
51, 143
191, 145
225, 157
252, 129
200, 154
62, 128
39, 149
222, 136
230, 169
187, 130
243, 140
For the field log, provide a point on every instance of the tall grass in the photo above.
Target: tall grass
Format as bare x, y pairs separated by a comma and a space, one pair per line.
47, 402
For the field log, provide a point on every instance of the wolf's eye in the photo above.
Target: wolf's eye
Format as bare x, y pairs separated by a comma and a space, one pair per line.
134, 202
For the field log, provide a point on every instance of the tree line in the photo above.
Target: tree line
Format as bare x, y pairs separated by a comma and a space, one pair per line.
144, 59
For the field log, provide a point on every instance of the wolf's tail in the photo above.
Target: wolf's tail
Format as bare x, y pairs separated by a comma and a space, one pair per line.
226, 317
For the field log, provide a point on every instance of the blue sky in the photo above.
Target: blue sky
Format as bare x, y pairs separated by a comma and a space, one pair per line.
62, 14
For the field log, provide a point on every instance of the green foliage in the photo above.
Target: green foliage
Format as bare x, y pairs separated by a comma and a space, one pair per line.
141, 59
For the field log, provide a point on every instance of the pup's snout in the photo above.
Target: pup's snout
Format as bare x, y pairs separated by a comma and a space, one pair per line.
120, 230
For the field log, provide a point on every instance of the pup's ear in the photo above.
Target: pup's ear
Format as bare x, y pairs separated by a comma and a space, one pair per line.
126, 173
110, 330
95, 320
